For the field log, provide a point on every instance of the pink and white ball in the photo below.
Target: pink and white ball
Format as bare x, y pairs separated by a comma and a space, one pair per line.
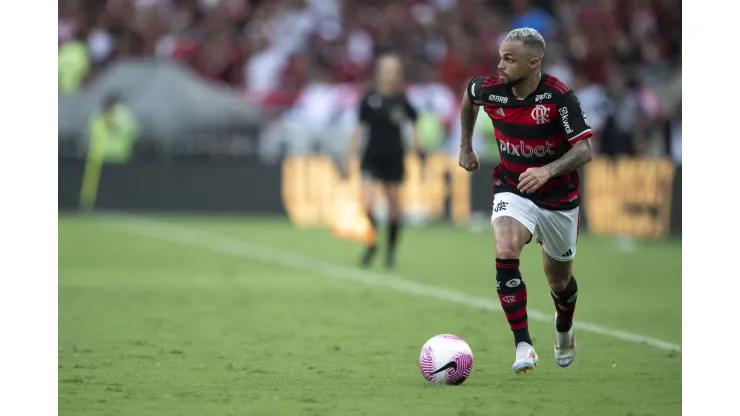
446, 359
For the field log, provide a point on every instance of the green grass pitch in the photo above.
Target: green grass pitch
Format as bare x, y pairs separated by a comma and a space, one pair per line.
177, 316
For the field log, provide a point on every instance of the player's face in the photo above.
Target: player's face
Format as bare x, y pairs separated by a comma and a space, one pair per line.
516, 62
389, 72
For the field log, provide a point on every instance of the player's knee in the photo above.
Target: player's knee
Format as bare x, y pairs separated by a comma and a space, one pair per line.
508, 250
558, 274
368, 201
394, 203
559, 284
509, 246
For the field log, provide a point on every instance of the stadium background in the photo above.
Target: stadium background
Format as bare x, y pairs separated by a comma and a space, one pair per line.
243, 108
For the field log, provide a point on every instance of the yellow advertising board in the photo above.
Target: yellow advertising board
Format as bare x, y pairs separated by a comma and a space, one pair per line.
625, 196
313, 190
629, 196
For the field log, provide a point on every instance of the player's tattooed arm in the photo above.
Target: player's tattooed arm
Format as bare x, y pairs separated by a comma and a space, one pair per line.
577, 156
468, 115
471, 103
533, 178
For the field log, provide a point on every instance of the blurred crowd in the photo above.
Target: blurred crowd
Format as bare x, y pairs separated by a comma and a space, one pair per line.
620, 55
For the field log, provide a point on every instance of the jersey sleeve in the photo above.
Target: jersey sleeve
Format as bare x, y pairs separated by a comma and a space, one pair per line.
410, 110
474, 90
572, 118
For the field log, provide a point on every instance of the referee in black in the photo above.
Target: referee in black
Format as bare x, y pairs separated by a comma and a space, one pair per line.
383, 112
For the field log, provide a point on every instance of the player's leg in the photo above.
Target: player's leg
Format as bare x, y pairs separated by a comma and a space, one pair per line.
564, 292
369, 190
513, 222
392, 181
558, 232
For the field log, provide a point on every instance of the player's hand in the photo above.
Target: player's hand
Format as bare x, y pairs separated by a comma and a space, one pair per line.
532, 179
469, 160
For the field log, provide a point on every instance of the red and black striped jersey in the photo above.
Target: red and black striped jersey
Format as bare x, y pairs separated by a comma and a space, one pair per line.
533, 132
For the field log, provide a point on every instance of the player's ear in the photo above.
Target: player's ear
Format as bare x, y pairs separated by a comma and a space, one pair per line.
534, 62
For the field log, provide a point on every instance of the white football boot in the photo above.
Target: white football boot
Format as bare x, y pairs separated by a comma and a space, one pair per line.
565, 346
526, 358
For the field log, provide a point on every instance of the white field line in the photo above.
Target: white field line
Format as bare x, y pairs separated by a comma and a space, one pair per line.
239, 248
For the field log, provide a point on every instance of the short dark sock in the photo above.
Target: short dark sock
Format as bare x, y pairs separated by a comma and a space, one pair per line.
565, 305
393, 230
372, 248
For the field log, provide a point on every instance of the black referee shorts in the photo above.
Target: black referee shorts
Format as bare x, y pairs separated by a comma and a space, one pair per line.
383, 169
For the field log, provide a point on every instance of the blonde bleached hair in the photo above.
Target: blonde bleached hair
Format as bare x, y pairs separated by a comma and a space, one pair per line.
531, 38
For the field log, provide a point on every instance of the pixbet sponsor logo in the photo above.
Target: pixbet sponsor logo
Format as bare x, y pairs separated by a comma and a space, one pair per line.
564, 120
520, 148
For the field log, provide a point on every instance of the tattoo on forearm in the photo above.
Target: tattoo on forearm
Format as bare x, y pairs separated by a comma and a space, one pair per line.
577, 156
468, 114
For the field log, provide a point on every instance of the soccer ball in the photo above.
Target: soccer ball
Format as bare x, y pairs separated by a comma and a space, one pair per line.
446, 359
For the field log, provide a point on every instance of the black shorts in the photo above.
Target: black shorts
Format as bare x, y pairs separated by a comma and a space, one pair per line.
383, 169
